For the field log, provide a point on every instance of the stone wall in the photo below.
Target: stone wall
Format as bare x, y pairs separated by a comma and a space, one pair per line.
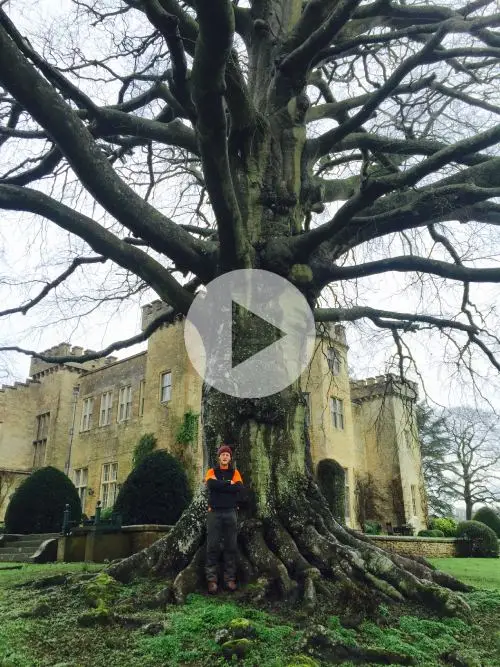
428, 547
85, 544
112, 442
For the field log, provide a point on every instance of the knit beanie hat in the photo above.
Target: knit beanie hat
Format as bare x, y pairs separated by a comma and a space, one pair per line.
224, 448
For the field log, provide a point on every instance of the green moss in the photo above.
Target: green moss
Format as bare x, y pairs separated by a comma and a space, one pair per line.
302, 661
300, 274
237, 648
101, 591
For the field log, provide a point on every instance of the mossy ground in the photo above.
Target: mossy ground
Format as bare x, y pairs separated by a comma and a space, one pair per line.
38, 628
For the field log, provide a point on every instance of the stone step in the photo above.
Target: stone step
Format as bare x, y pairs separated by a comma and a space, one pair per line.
26, 543
14, 558
35, 537
18, 550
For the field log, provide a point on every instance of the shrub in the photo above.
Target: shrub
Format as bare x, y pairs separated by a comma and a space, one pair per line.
146, 445
157, 491
372, 528
490, 518
477, 540
331, 480
38, 504
431, 533
107, 513
446, 524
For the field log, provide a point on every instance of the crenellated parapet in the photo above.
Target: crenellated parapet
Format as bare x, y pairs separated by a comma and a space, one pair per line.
332, 332
151, 311
383, 385
39, 367
17, 385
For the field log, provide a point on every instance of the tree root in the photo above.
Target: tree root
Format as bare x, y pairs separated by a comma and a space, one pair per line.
263, 559
297, 550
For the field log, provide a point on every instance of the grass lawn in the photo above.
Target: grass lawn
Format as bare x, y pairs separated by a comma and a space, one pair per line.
478, 572
40, 626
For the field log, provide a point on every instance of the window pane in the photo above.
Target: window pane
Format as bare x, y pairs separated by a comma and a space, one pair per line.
166, 386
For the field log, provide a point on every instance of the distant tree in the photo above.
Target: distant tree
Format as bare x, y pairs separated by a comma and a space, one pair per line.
435, 448
475, 457
460, 457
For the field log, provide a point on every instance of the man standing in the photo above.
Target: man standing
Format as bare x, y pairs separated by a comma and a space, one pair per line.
223, 483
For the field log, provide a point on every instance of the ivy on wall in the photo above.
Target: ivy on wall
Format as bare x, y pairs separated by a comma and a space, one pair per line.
187, 433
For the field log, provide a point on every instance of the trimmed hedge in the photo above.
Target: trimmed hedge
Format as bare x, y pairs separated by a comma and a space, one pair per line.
490, 518
476, 540
430, 533
331, 481
157, 491
38, 504
446, 524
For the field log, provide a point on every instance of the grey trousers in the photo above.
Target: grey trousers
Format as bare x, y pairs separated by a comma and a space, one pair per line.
222, 526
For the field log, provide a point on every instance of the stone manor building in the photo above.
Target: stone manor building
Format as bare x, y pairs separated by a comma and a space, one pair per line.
86, 419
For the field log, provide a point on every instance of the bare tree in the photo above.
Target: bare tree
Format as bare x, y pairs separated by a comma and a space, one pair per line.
474, 457
328, 141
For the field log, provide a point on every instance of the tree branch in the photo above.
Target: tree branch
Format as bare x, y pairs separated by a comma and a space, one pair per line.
409, 263
338, 133
298, 61
405, 320
167, 317
102, 241
213, 49
168, 25
90, 164
53, 283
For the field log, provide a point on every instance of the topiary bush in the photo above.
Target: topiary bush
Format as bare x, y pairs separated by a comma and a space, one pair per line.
430, 533
476, 540
446, 524
331, 481
490, 518
157, 491
38, 504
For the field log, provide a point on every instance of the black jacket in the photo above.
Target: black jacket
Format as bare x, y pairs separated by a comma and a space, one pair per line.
221, 493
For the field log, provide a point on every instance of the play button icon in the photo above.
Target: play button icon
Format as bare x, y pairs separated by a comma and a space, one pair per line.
250, 334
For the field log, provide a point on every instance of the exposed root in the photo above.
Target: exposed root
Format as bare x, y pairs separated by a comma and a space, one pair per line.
263, 559
170, 554
189, 579
300, 548
309, 595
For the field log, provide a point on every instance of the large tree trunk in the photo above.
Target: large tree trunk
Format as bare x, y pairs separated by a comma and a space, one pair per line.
288, 540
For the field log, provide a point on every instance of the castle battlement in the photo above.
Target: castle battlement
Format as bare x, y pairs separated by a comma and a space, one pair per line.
151, 311
383, 385
38, 366
17, 385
